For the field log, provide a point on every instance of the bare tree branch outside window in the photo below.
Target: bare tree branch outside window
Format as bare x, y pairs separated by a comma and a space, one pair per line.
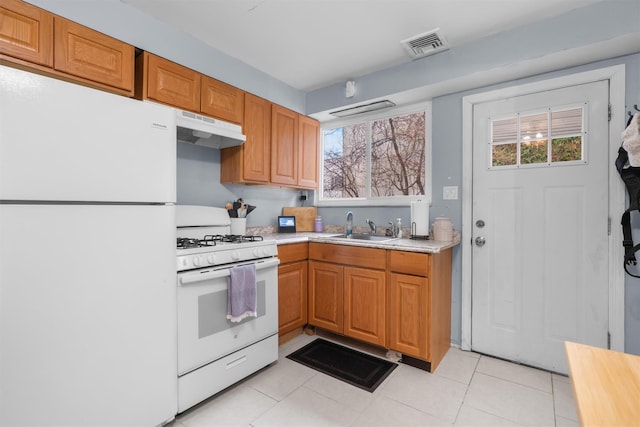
397, 158
345, 158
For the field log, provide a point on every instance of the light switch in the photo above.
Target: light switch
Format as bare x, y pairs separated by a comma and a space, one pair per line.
450, 192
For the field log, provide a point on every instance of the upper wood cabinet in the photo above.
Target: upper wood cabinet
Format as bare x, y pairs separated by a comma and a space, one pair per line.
284, 146
167, 82
55, 46
85, 53
251, 161
26, 32
294, 154
309, 131
221, 100
281, 148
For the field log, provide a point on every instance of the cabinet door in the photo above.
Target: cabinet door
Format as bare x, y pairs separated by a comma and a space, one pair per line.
170, 83
408, 312
284, 146
364, 304
86, 53
26, 32
250, 162
292, 296
256, 150
221, 100
308, 152
326, 296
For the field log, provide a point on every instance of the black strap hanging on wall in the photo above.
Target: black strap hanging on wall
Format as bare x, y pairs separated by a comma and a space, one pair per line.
629, 169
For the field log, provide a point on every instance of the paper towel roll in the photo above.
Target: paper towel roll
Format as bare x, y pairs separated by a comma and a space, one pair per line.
419, 218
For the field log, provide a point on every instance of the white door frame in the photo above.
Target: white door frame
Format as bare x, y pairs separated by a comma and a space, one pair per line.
616, 77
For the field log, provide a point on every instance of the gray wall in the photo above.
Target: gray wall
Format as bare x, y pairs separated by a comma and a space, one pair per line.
482, 65
198, 183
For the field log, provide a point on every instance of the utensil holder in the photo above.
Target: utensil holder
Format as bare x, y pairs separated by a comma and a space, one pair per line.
238, 226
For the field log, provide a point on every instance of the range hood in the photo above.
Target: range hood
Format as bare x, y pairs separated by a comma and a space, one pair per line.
202, 130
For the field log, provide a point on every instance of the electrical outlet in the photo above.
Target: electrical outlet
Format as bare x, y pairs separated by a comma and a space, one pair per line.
450, 193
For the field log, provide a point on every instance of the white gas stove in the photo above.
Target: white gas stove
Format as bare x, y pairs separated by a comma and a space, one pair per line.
214, 352
203, 240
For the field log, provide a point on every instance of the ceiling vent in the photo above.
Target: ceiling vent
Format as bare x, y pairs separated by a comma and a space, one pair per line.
425, 44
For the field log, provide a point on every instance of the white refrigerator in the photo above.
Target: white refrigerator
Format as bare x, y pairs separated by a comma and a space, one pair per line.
87, 256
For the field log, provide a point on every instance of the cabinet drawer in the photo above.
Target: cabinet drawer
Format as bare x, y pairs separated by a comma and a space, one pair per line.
348, 255
293, 252
86, 53
413, 263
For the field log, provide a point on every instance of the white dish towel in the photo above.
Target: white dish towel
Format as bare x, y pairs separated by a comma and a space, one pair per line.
242, 298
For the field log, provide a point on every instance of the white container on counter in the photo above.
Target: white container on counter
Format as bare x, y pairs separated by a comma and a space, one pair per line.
442, 229
238, 226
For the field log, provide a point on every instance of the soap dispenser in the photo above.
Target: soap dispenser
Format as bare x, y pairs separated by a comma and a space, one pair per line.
399, 228
349, 224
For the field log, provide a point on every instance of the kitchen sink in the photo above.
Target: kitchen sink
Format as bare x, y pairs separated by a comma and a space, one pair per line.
364, 236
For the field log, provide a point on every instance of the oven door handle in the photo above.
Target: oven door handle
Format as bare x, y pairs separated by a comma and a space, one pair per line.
223, 272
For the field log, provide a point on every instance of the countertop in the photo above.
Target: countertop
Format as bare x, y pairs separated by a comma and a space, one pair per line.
404, 244
606, 385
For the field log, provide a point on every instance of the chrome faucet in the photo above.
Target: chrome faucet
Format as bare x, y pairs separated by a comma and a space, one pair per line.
372, 225
349, 223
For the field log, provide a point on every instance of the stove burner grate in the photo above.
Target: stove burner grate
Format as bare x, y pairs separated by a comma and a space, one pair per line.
212, 240
232, 238
186, 243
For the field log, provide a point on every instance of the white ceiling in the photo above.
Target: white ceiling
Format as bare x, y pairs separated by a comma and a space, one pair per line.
309, 44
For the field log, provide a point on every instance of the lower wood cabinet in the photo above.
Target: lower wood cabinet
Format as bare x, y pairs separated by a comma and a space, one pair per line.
347, 295
292, 287
394, 299
408, 297
326, 296
419, 289
364, 304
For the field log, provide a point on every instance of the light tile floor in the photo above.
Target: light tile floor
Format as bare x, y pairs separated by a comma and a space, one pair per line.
467, 389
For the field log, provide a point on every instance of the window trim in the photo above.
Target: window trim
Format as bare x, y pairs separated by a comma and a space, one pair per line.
380, 201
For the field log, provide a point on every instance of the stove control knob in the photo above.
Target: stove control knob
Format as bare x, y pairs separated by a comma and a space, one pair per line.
235, 256
196, 262
211, 259
256, 253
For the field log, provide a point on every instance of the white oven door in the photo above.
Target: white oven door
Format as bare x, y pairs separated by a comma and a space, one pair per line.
204, 333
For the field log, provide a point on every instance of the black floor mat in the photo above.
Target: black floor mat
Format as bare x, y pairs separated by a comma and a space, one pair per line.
359, 369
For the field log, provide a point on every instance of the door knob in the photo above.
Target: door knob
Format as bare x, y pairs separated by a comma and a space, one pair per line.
480, 241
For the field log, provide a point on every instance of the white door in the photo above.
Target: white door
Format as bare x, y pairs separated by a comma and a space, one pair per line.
540, 224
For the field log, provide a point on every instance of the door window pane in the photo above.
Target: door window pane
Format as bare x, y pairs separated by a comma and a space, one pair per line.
566, 130
524, 139
504, 155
